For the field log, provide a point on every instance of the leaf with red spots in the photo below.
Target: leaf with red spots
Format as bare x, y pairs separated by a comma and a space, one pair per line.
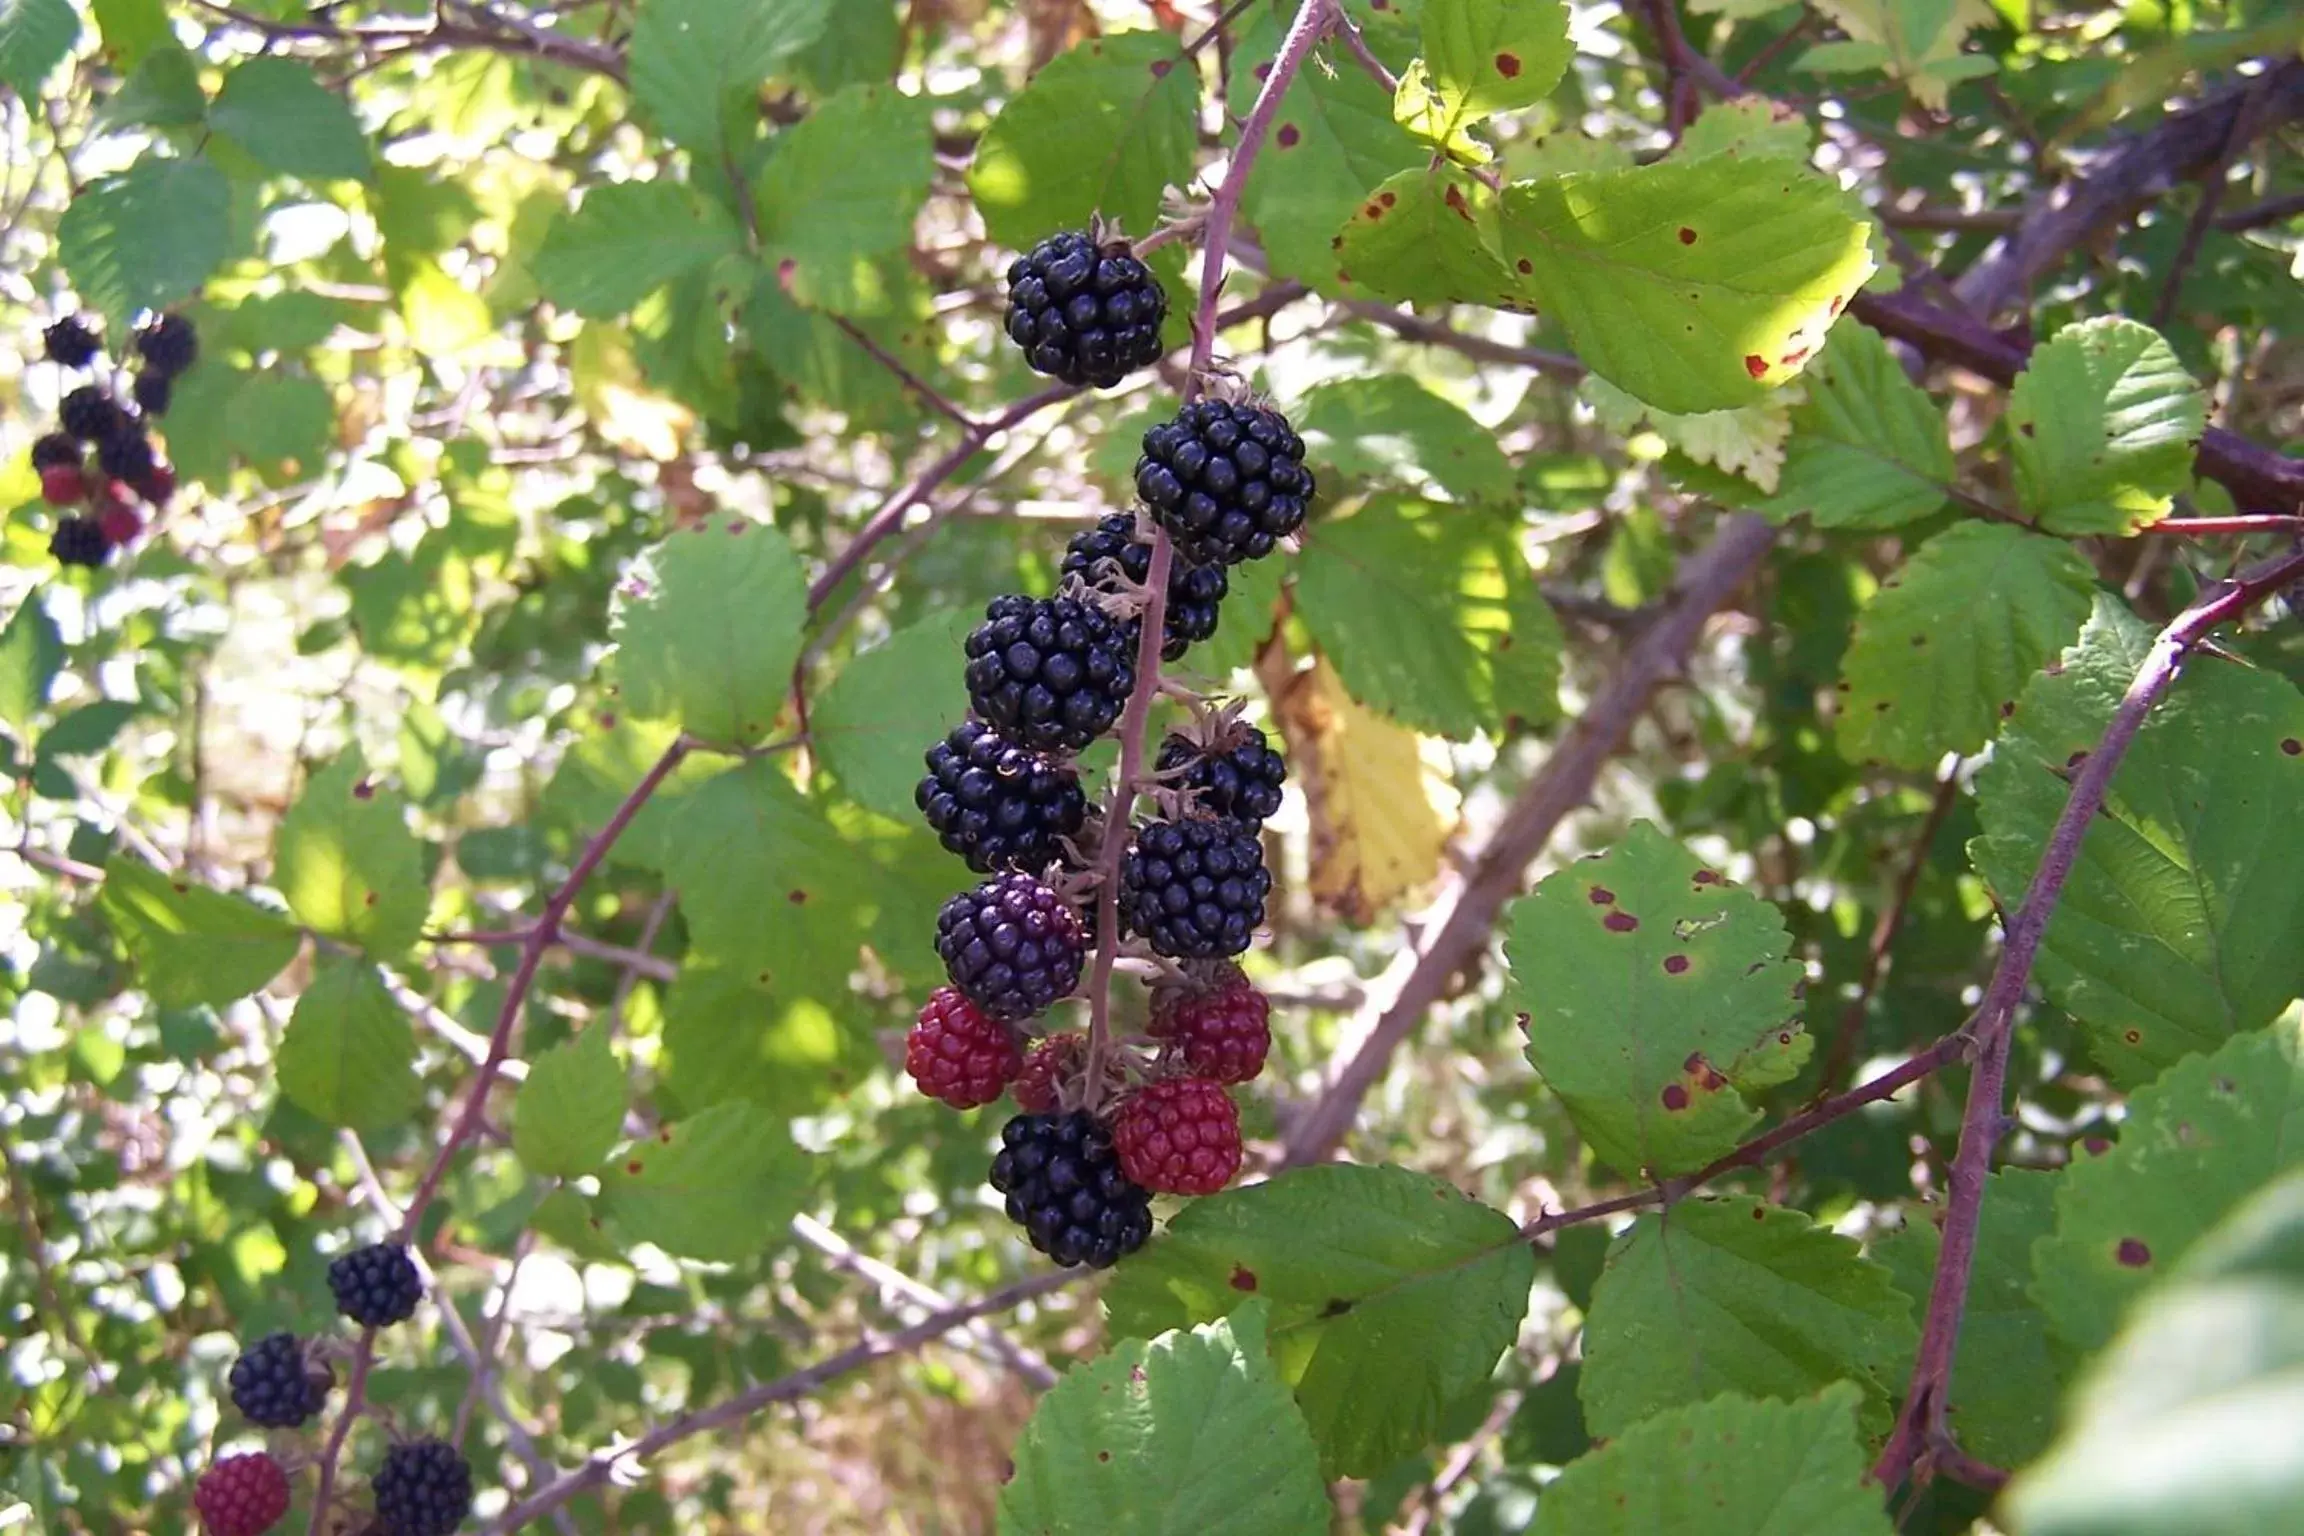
709, 630
1481, 57
1869, 447
570, 1108
2104, 419
348, 864
1653, 1014
2197, 1142
1428, 237
720, 1188
192, 945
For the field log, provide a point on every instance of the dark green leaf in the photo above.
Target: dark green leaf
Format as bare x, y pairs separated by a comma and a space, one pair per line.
692, 60
35, 36
349, 1056
147, 237
276, 109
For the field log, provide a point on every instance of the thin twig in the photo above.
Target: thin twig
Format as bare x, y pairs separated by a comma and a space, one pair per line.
934, 398
2206, 527
355, 1405
2214, 181
1024, 1362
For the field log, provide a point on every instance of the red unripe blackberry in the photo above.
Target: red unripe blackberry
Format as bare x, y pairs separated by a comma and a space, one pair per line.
1047, 1067
1180, 1136
376, 1286
71, 341
1222, 1035
958, 1054
1241, 782
997, 805
169, 344
241, 1496
90, 414
1195, 591
1084, 313
1227, 481
1012, 946
79, 541
1066, 1190
55, 449
1194, 888
424, 1488
158, 484
63, 485
119, 523
273, 1385
1052, 673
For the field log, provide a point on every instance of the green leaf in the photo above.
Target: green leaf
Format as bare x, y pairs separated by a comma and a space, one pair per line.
1104, 128
2195, 1144
348, 864
570, 1108
843, 186
1942, 651
693, 61
1376, 426
887, 707
626, 241
192, 945
1733, 1295
2101, 425
2008, 1375
2178, 927
1392, 1295
1694, 285
349, 1055
131, 29
728, 1037
161, 92
279, 112
1191, 1434
1729, 1465
1653, 988
31, 654
35, 37
1431, 236
715, 1186
2187, 1426
1482, 57
147, 237
1751, 126
1868, 446
711, 638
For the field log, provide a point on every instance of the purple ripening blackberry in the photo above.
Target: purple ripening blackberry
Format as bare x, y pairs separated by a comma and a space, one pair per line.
1085, 313
1051, 673
997, 805
1227, 481
1195, 590
1012, 946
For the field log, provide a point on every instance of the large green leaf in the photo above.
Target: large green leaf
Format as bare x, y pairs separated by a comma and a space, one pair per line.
348, 864
1656, 997
1941, 653
35, 36
1695, 285
1392, 1295
147, 237
1380, 425
2178, 926
280, 113
1191, 1434
1482, 57
1431, 236
887, 707
1730, 1466
726, 1036
627, 240
717, 1185
1868, 447
1733, 1295
694, 61
2187, 1426
192, 945
349, 1056
570, 1108
31, 654
1105, 128
2101, 424
2195, 1144
844, 185
711, 637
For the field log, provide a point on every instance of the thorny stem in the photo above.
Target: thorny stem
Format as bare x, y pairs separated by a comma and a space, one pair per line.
355, 1404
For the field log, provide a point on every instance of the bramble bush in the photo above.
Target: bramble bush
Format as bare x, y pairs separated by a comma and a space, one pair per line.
1084, 767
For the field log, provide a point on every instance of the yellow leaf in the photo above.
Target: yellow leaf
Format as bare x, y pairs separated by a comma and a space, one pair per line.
610, 388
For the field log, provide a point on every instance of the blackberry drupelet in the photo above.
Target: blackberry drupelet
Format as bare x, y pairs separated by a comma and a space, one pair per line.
1194, 888
1083, 313
996, 805
1227, 481
90, 414
241, 1496
1012, 946
71, 341
1052, 673
1240, 782
424, 1488
168, 345
80, 541
1065, 1189
151, 391
271, 1385
376, 1286
1195, 591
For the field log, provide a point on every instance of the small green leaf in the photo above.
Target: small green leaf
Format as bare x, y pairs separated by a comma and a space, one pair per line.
349, 1055
1868, 447
1392, 1295
147, 237
348, 864
1731, 1464
35, 37
1191, 1434
627, 240
718, 1185
1377, 426
571, 1107
1482, 57
1105, 128
728, 1037
711, 639
693, 61
31, 654
1658, 996
1751, 126
887, 707
2101, 424
1942, 651
1732, 1295
161, 92
1430, 236
844, 185
278, 111
192, 945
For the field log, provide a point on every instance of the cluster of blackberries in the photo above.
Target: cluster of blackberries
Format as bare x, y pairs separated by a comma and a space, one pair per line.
423, 1488
96, 502
1046, 677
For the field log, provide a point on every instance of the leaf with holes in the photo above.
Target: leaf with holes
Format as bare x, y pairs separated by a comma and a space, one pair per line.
192, 945
2102, 424
1481, 57
1944, 648
348, 864
710, 636
1429, 236
1657, 997
887, 707
718, 1186
570, 1108
1868, 448
349, 1055
627, 240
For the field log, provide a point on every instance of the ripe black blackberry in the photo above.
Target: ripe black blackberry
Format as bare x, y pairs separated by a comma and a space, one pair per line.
376, 1286
1195, 591
168, 345
1227, 481
1066, 1190
424, 1488
1084, 313
80, 541
1012, 946
1052, 673
90, 414
1194, 888
1238, 777
126, 454
71, 341
57, 450
272, 1385
999, 806
151, 391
